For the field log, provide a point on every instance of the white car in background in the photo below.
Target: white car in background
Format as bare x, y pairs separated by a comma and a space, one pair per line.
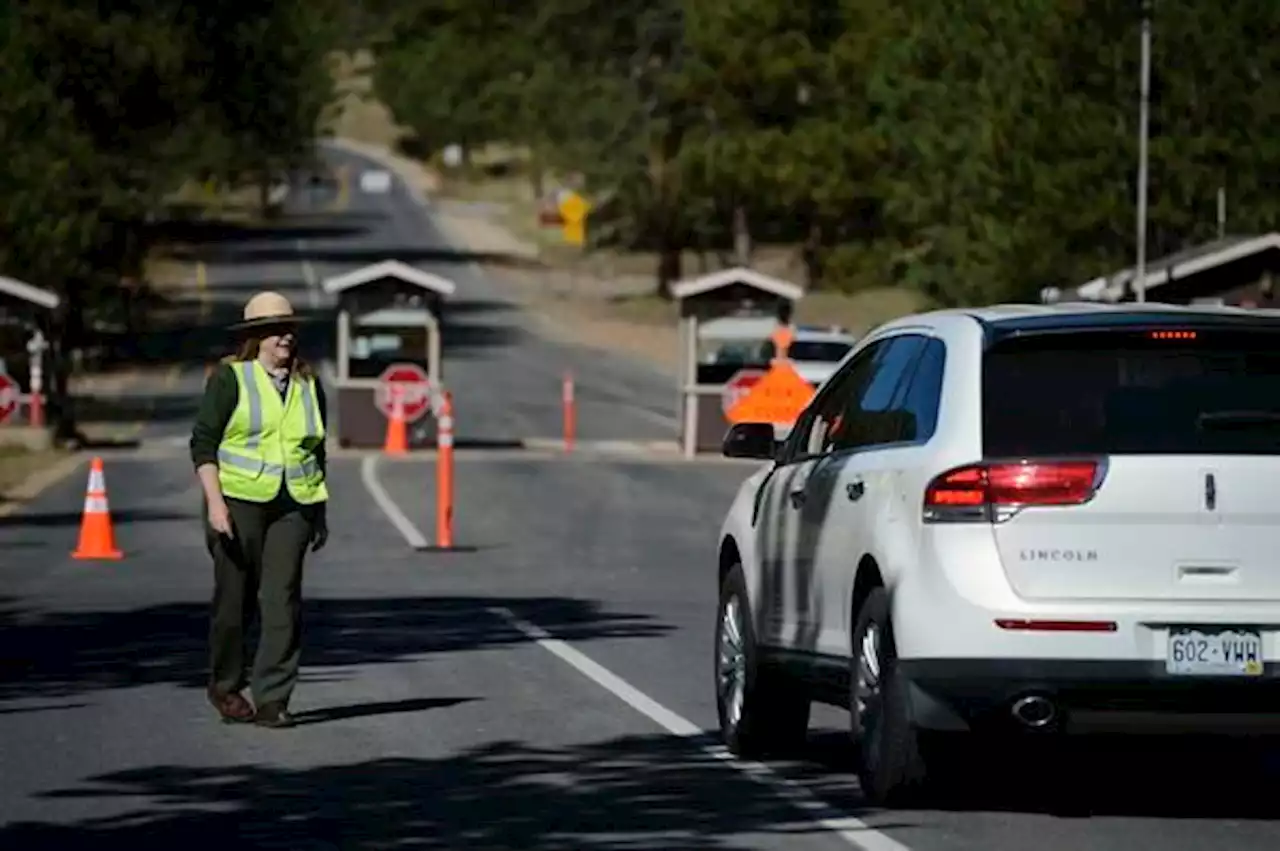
816, 352
1012, 520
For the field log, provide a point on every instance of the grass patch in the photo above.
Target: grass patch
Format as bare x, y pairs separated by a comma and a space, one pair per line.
164, 273
17, 464
859, 312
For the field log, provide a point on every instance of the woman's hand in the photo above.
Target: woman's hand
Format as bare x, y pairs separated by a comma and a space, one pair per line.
220, 518
319, 528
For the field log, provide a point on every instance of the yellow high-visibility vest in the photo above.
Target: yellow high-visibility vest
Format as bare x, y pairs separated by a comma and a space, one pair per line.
269, 439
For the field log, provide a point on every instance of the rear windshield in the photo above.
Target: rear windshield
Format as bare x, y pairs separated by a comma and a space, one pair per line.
1195, 392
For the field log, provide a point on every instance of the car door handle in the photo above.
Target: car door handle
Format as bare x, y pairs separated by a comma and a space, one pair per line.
797, 497
855, 489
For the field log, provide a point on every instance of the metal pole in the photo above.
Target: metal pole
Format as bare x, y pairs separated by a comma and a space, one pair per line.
1140, 268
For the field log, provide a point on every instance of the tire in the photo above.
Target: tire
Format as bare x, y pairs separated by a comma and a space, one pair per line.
772, 717
890, 749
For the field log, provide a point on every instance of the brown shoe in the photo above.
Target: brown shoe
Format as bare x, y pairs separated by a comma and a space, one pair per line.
273, 715
233, 708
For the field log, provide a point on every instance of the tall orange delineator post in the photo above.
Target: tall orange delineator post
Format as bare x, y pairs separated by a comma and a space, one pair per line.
570, 411
444, 472
397, 440
97, 539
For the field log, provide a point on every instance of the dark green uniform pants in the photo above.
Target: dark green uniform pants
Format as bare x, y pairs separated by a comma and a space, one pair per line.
259, 570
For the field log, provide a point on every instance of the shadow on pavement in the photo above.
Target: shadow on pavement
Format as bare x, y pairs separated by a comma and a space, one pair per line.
187, 236
386, 707
357, 255
184, 332
635, 793
52, 654
125, 409
120, 517
1092, 776
463, 306
455, 337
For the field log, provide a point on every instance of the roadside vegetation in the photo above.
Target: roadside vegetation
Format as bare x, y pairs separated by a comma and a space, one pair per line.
119, 118
937, 152
967, 150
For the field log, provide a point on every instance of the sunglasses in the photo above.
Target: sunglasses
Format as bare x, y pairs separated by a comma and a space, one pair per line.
276, 330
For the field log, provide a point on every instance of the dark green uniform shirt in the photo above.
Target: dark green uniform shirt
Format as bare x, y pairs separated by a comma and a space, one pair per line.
221, 395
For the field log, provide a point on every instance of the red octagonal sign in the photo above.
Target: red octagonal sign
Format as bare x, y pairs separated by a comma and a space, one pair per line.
738, 385
410, 383
8, 396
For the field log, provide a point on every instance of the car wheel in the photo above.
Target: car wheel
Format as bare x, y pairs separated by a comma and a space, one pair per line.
891, 763
762, 711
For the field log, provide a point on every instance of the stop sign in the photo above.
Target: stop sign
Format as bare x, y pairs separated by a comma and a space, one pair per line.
408, 382
738, 385
8, 396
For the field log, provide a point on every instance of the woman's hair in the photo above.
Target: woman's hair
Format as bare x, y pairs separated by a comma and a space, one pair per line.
248, 350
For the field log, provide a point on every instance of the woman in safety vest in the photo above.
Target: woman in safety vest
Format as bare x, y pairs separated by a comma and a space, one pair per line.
258, 449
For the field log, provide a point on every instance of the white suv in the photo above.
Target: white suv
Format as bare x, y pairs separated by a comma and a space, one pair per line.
1014, 518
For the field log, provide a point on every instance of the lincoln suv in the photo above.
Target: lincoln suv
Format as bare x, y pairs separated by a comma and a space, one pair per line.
1008, 521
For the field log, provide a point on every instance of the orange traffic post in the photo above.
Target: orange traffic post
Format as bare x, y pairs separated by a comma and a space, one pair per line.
35, 409
444, 473
397, 440
97, 538
570, 411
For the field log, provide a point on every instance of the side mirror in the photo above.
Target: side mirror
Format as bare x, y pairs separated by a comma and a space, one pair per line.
750, 440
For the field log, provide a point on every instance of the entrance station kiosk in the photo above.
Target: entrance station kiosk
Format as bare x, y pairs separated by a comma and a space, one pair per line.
726, 318
388, 325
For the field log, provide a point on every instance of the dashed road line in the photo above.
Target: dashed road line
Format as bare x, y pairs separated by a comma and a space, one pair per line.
853, 831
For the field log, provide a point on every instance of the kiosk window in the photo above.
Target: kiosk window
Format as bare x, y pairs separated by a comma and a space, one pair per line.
374, 349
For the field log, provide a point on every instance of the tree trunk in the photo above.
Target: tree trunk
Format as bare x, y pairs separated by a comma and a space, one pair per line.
812, 256
741, 236
537, 176
264, 193
668, 266
64, 332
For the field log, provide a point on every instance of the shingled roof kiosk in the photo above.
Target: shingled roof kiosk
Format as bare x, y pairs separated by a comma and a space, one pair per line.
388, 316
1241, 270
24, 352
710, 354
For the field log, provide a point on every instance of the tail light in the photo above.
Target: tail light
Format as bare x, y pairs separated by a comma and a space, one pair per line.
993, 491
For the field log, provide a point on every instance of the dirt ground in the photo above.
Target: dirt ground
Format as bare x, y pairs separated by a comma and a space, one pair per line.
18, 466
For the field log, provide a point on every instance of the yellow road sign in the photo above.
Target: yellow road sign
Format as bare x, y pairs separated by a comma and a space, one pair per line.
574, 232
573, 207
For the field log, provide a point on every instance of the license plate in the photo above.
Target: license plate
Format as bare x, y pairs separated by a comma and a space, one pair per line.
1214, 653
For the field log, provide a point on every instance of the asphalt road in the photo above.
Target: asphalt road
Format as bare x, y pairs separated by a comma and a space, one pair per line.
544, 686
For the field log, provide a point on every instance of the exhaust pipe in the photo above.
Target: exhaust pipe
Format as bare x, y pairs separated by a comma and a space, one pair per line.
1034, 711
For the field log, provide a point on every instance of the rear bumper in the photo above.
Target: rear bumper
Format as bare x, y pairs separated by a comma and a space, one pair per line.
1120, 696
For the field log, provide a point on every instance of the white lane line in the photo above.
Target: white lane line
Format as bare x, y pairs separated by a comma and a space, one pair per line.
309, 275
369, 475
853, 831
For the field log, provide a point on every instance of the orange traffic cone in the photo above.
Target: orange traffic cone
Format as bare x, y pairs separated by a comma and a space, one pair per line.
97, 540
397, 441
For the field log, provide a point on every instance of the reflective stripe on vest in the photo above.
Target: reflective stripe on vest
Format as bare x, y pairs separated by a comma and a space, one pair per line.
250, 465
